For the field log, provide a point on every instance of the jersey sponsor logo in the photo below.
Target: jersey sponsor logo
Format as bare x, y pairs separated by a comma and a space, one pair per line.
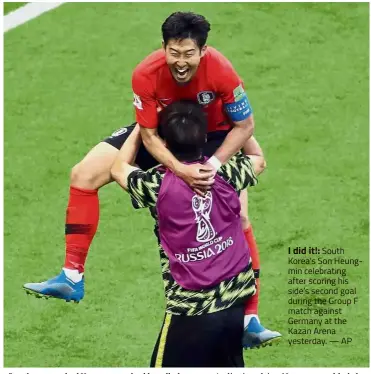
137, 102
202, 208
205, 97
119, 132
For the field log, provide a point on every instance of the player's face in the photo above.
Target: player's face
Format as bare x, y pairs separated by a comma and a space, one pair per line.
183, 58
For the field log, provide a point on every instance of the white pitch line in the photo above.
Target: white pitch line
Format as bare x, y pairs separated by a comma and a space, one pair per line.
26, 13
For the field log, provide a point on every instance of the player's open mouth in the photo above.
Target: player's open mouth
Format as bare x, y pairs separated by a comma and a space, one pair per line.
181, 73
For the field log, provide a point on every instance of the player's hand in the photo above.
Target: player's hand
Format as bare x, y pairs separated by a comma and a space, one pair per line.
198, 176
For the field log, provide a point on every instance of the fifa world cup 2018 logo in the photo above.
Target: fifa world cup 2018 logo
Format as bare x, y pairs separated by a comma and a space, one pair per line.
202, 208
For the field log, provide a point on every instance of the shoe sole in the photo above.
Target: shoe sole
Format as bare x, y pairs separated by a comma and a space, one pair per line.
267, 343
42, 296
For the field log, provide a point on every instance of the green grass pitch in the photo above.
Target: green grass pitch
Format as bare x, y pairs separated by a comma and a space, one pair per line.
9, 7
67, 86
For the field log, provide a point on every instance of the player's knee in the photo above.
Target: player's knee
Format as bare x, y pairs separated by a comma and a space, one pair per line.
84, 177
262, 164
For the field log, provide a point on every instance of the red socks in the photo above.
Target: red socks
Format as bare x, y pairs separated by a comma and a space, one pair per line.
82, 218
251, 306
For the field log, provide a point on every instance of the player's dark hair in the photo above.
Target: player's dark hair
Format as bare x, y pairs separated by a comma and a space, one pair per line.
183, 25
183, 126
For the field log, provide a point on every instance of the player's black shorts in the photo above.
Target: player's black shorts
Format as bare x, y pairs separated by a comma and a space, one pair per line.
208, 340
145, 160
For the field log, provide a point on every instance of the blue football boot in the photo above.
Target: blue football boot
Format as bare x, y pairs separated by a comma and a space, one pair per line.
60, 287
257, 336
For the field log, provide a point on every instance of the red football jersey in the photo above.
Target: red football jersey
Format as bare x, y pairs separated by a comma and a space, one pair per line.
215, 84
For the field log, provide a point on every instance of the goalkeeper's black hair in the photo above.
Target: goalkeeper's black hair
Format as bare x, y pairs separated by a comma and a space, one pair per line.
183, 25
183, 126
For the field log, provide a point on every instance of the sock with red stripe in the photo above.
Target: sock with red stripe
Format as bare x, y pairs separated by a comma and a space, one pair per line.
82, 219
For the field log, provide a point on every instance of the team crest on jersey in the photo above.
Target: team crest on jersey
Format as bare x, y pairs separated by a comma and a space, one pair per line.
205, 97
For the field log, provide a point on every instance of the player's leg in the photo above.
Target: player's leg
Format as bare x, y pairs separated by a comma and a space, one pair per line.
82, 216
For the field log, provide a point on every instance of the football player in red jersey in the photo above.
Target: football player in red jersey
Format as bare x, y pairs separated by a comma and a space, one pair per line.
185, 68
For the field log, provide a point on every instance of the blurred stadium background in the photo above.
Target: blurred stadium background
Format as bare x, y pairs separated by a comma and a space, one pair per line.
67, 85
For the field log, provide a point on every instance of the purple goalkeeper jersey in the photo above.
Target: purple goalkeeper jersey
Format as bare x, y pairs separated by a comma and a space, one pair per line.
202, 236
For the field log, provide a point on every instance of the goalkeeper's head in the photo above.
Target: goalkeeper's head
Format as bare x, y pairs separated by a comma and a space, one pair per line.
183, 126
